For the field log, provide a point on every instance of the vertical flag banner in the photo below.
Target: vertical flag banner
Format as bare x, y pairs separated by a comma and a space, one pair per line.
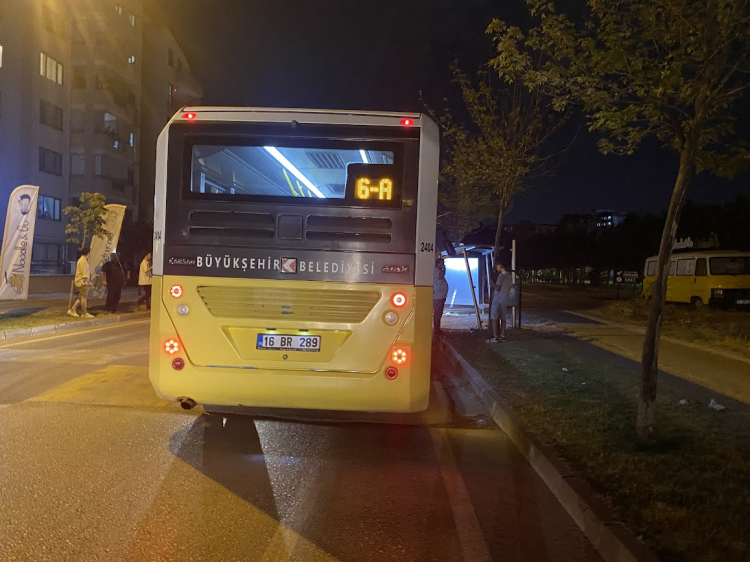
18, 237
101, 248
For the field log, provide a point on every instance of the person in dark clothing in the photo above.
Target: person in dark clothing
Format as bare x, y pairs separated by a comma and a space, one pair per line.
500, 300
113, 277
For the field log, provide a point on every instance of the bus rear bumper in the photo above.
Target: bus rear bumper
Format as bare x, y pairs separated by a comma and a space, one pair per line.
238, 380
256, 388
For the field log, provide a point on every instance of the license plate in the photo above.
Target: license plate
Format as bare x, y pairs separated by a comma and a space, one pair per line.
283, 342
743, 301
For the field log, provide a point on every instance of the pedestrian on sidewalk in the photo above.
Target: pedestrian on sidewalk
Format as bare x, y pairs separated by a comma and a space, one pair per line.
500, 298
113, 277
439, 294
144, 280
82, 282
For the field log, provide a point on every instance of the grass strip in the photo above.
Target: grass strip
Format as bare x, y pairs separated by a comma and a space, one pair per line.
687, 493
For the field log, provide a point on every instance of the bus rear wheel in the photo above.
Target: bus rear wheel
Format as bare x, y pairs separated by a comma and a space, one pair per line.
697, 303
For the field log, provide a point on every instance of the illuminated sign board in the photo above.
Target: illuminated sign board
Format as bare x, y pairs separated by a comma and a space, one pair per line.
374, 189
373, 185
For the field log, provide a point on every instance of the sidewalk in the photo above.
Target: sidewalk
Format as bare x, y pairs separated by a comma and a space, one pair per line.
47, 313
716, 370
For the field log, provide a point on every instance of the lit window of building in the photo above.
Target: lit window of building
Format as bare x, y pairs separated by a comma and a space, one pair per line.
50, 68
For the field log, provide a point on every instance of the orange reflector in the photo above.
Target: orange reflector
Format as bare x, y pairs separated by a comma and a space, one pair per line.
171, 346
176, 291
398, 300
399, 356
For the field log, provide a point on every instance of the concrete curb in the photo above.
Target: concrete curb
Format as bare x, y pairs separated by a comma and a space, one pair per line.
63, 326
613, 541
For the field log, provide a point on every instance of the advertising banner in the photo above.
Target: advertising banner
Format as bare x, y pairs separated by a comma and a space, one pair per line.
101, 248
18, 237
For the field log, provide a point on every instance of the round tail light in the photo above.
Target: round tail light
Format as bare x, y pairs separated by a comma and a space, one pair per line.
176, 291
171, 346
398, 300
178, 363
391, 373
399, 356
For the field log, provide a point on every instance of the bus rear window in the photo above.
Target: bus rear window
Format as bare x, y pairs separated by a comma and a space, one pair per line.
363, 175
737, 265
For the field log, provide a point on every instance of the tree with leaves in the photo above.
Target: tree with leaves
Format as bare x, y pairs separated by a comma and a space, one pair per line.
87, 220
669, 69
496, 157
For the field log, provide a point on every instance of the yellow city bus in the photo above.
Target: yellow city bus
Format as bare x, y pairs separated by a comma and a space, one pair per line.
293, 259
704, 277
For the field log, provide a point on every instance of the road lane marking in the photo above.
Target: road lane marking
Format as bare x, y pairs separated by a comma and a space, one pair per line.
115, 385
70, 356
470, 533
70, 333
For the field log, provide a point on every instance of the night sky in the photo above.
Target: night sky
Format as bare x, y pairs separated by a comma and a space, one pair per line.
342, 54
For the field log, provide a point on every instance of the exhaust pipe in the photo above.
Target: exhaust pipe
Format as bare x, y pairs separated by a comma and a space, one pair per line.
187, 403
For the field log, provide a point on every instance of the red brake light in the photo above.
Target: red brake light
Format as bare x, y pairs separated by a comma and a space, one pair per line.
406, 122
178, 363
176, 291
189, 116
171, 346
398, 300
399, 356
391, 373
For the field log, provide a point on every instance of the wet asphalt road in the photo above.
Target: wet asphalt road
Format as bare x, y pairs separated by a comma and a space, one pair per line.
93, 466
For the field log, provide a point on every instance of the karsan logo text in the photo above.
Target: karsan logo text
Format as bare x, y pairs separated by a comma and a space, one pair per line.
284, 265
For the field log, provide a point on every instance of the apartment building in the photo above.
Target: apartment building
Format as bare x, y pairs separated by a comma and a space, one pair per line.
34, 114
168, 84
85, 88
105, 100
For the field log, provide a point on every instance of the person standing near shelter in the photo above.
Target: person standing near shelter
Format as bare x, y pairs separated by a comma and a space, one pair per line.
439, 294
500, 300
82, 283
113, 277
144, 280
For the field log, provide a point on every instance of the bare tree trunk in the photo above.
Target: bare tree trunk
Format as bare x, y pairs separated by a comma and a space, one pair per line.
646, 421
499, 233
